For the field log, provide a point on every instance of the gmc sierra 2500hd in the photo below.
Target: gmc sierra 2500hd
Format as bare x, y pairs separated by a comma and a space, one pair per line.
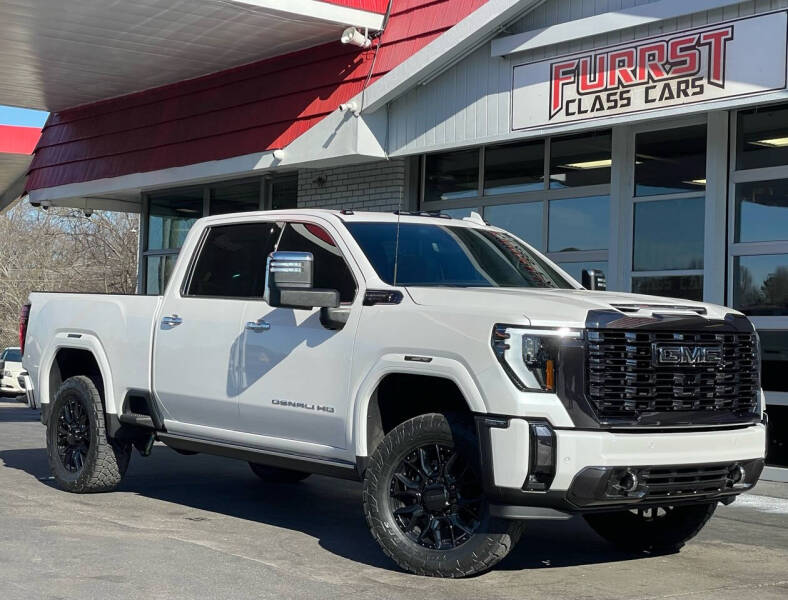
467, 380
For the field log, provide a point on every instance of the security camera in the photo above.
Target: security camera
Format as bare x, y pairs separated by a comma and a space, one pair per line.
349, 107
279, 154
354, 37
88, 212
35, 204
45, 204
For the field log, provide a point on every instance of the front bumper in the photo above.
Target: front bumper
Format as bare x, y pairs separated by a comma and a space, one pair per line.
670, 467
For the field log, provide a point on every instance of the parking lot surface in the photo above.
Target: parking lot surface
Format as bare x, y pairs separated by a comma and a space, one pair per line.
206, 527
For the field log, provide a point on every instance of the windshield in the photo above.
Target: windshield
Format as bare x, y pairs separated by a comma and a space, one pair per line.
445, 255
12, 355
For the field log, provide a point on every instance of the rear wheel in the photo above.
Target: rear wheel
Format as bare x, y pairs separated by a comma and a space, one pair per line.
277, 474
81, 456
424, 502
661, 529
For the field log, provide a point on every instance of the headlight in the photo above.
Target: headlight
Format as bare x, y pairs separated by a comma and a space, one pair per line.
530, 356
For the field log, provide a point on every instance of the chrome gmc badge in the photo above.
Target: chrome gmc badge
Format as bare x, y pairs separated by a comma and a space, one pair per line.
665, 354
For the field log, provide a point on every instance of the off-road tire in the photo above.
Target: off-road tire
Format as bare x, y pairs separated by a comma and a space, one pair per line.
277, 474
664, 534
106, 460
492, 539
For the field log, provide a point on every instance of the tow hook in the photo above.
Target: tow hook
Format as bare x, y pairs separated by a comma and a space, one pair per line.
728, 500
145, 445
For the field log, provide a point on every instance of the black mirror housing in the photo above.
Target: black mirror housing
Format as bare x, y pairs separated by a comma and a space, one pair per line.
594, 279
289, 280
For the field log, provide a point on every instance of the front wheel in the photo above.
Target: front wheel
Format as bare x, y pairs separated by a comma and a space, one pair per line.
662, 529
81, 456
424, 502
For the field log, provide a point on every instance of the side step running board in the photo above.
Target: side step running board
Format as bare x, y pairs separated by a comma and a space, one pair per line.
343, 470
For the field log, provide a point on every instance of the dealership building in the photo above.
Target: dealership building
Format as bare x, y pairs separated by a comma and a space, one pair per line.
648, 139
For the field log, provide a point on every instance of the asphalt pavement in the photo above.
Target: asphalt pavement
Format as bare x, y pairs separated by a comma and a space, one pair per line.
205, 527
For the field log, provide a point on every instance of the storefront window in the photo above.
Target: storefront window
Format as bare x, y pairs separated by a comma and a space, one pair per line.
580, 160
171, 217
669, 234
670, 161
235, 197
575, 269
774, 349
762, 138
761, 284
159, 269
762, 211
513, 168
452, 175
689, 287
523, 220
579, 224
284, 191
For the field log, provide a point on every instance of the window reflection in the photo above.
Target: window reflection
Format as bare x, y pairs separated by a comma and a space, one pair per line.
762, 137
774, 350
523, 220
513, 168
669, 234
159, 269
761, 284
575, 269
579, 224
236, 197
762, 211
688, 287
670, 161
171, 217
579, 160
452, 175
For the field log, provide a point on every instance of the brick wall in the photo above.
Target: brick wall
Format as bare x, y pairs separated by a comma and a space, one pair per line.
377, 186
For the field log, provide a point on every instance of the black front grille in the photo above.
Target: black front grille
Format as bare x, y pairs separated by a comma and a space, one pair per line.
624, 379
683, 481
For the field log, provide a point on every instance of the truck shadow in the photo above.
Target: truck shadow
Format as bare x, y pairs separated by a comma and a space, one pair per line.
324, 508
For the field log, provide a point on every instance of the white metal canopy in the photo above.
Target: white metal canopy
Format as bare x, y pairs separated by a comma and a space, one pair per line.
56, 54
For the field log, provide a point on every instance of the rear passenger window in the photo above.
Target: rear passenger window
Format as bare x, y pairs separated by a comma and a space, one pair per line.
232, 261
331, 270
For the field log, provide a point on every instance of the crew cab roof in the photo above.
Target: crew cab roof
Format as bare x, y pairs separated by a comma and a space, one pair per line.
351, 216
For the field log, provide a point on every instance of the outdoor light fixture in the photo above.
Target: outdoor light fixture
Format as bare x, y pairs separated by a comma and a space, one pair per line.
590, 164
354, 37
778, 142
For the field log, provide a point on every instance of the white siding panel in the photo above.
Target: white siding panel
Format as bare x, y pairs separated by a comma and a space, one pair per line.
470, 103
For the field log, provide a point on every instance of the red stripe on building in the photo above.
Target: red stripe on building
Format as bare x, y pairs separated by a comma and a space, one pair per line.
376, 6
18, 140
253, 108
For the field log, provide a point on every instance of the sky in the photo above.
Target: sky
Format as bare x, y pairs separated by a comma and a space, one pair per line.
23, 117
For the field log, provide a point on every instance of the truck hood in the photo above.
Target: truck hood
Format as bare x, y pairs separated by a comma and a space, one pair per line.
556, 307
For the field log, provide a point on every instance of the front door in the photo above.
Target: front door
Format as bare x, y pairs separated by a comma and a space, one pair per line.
293, 378
201, 326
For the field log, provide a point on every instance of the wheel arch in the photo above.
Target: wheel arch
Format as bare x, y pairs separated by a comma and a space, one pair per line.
71, 356
448, 370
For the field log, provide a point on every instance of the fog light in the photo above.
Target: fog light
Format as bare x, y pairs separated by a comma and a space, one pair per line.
541, 463
736, 475
628, 482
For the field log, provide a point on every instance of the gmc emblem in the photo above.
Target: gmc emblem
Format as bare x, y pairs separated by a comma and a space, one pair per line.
688, 355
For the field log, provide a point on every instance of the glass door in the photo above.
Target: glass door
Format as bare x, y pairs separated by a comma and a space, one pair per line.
668, 203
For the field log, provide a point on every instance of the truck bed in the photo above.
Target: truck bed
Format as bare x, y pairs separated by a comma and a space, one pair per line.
117, 328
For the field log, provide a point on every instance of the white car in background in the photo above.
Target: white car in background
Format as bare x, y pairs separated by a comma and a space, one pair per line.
10, 370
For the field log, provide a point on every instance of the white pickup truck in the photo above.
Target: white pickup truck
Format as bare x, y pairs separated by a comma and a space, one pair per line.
467, 380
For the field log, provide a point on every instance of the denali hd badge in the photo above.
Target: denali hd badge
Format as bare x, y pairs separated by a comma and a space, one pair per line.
687, 355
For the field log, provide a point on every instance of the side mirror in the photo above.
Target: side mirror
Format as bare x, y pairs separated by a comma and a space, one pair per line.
594, 279
289, 277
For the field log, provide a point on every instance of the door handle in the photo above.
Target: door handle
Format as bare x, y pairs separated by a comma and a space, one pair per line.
258, 326
171, 321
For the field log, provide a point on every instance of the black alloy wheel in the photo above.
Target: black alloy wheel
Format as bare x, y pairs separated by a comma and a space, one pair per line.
436, 497
73, 435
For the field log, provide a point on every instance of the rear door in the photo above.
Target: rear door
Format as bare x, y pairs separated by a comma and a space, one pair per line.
196, 350
294, 375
